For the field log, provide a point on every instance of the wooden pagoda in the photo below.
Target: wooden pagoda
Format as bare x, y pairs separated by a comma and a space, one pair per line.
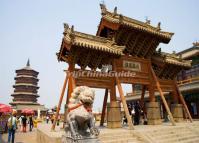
127, 45
26, 90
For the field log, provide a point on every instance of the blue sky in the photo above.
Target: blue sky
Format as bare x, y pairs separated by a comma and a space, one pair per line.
33, 29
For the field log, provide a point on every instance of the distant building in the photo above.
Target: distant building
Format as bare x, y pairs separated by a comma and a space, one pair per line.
188, 80
26, 90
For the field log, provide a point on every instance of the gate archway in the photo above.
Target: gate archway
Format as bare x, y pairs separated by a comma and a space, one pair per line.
129, 46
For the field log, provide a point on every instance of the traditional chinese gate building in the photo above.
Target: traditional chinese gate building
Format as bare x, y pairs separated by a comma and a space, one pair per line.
127, 45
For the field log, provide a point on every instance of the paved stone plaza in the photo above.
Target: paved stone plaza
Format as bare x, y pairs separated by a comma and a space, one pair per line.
28, 137
165, 133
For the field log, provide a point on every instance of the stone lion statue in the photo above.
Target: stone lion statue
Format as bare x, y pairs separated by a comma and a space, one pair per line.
80, 126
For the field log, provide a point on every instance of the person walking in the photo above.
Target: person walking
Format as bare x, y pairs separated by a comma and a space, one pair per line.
52, 118
124, 120
58, 120
30, 123
12, 126
20, 123
137, 109
47, 119
24, 120
35, 122
133, 114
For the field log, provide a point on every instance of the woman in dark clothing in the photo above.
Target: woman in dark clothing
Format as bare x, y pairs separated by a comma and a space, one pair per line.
24, 120
30, 123
137, 113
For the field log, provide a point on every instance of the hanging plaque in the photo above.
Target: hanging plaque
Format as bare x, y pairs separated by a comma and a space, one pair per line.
134, 66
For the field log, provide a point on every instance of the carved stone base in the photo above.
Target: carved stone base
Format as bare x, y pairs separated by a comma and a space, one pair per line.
153, 113
66, 139
113, 115
177, 111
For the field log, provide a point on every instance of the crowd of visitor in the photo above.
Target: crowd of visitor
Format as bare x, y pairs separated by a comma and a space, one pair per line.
19, 123
24, 122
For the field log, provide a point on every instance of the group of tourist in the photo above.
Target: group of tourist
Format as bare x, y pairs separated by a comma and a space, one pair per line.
137, 114
52, 118
19, 123
23, 120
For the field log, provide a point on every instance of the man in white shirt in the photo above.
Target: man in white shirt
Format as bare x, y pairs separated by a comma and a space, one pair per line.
12, 126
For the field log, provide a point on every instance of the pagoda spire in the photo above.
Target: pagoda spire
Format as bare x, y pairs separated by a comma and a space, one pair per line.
28, 63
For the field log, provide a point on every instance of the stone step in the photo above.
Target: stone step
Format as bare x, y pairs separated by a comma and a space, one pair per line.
188, 137
123, 141
178, 141
115, 131
175, 134
178, 138
111, 133
195, 128
169, 134
191, 141
116, 135
188, 133
121, 134
126, 140
166, 130
119, 137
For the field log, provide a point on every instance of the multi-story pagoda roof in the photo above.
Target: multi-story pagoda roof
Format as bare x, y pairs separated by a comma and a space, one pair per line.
25, 93
88, 46
26, 76
26, 84
27, 69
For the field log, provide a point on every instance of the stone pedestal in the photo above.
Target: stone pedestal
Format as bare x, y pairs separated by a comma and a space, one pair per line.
177, 111
113, 115
153, 113
66, 139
